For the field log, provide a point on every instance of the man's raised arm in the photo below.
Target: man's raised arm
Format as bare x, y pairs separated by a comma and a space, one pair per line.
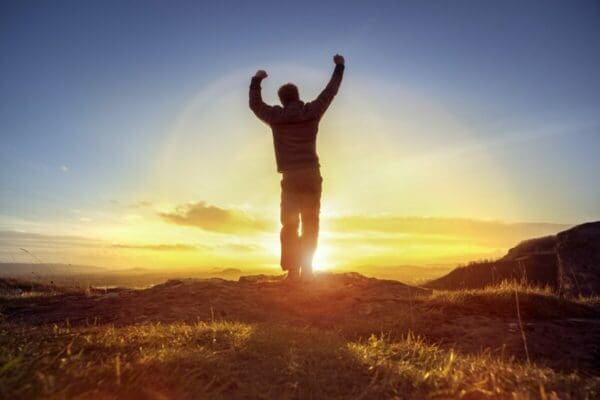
257, 105
321, 103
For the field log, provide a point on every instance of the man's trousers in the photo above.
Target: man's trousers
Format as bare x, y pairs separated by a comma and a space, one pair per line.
300, 207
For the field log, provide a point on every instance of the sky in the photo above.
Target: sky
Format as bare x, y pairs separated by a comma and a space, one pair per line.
460, 128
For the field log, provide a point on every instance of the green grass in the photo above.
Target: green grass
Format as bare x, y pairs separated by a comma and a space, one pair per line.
258, 361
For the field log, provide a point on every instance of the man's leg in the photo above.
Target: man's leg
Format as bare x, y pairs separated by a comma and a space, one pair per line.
310, 209
290, 242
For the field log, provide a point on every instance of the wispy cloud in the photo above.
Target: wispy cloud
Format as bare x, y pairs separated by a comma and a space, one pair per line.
141, 204
156, 247
15, 239
137, 204
216, 219
239, 247
346, 240
495, 233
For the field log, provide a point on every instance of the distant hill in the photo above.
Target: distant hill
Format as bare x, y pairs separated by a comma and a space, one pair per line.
568, 262
16, 269
409, 274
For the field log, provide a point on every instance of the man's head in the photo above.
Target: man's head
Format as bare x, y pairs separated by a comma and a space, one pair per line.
288, 93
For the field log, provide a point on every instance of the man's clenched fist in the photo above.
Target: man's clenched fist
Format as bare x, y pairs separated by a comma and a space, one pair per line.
261, 74
337, 59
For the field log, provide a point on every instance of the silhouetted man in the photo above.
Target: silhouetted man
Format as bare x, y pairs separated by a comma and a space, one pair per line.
295, 127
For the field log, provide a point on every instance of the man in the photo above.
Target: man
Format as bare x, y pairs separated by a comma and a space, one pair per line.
295, 127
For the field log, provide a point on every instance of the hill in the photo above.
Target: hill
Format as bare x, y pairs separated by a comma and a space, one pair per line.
568, 262
340, 336
36, 269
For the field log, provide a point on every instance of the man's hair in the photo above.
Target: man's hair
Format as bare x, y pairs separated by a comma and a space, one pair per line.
288, 93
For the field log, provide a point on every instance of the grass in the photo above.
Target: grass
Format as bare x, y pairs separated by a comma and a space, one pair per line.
233, 360
204, 360
534, 302
329, 345
414, 369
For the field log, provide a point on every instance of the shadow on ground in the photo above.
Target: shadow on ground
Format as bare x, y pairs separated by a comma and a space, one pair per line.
351, 305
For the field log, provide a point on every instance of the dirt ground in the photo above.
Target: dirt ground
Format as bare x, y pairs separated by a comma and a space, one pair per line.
350, 304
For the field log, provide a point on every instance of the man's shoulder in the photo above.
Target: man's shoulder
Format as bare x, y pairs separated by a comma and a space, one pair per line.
312, 108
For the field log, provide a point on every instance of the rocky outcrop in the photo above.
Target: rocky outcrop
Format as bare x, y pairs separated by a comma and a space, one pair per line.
568, 262
578, 256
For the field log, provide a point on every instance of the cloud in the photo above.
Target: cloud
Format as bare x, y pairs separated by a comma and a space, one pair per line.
382, 228
239, 247
132, 217
64, 168
225, 247
16, 239
494, 233
156, 247
132, 204
141, 204
216, 219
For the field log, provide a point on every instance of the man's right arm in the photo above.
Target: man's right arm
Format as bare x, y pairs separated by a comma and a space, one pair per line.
257, 105
322, 102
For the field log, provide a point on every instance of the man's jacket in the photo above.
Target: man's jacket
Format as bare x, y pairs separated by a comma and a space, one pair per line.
295, 126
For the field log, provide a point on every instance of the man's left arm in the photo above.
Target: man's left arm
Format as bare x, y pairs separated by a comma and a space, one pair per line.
257, 105
322, 102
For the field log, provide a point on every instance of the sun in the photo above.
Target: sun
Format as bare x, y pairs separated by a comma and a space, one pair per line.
322, 260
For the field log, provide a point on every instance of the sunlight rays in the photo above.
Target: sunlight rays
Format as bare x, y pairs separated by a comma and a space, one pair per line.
406, 155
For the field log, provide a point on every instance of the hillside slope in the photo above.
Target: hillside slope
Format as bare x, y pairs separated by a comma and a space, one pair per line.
568, 262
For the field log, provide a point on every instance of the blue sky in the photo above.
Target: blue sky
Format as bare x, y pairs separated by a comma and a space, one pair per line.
89, 90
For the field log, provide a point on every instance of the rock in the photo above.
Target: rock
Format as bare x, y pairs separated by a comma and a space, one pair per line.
578, 256
260, 278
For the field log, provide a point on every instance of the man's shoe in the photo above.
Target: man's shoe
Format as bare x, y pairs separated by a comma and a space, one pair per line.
307, 274
293, 275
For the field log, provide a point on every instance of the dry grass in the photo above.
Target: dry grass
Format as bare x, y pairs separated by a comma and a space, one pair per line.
233, 360
412, 368
500, 300
204, 360
329, 345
